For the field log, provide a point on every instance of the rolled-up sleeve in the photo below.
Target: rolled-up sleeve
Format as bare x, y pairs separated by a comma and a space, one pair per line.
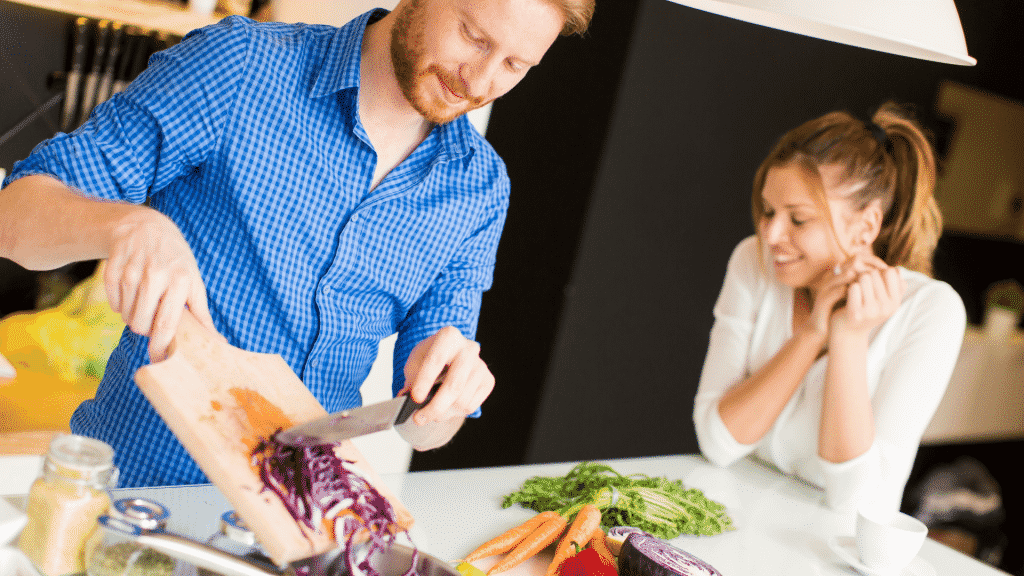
455, 297
163, 125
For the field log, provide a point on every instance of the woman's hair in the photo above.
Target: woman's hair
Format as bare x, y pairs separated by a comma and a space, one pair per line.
578, 14
891, 156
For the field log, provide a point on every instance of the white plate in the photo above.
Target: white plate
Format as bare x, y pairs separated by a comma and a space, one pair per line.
12, 521
846, 548
14, 563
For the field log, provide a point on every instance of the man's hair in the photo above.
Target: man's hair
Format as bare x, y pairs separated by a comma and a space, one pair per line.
578, 14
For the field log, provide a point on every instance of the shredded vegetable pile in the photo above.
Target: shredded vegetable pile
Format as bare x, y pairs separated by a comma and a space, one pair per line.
323, 491
655, 505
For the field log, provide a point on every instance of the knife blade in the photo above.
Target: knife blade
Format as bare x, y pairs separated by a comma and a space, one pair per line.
353, 422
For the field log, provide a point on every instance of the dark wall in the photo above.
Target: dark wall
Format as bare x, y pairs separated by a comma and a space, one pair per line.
631, 154
32, 46
26, 59
552, 131
703, 99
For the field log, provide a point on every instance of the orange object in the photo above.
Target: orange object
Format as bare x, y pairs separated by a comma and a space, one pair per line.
507, 540
57, 355
587, 520
538, 540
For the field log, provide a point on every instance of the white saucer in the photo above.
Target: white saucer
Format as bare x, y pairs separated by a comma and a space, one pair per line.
846, 548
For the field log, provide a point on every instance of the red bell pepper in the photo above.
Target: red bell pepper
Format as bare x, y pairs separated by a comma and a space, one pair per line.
586, 563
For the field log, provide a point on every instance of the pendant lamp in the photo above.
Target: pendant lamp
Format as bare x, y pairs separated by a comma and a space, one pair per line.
926, 29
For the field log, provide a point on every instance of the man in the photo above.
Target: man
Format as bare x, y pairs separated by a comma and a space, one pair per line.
311, 190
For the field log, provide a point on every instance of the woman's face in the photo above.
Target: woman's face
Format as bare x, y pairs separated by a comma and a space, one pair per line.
802, 245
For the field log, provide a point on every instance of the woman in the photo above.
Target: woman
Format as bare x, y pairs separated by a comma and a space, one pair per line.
832, 345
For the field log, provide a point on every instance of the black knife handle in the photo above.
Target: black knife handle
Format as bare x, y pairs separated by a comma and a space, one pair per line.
74, 73
410, 405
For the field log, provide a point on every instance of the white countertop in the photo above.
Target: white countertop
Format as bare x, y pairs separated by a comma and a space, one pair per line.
781, 524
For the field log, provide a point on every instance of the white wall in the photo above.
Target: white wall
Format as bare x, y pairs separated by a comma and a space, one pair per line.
985, 398
333, 12
387, 452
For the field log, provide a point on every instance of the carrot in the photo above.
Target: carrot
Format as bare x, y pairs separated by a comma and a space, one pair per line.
504, 542
597, 542
539, 539
587, 520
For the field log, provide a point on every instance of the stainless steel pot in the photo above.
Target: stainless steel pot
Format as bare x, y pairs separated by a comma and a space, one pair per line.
395, 561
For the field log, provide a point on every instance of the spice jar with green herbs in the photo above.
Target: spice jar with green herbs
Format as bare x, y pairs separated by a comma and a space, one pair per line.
120, 555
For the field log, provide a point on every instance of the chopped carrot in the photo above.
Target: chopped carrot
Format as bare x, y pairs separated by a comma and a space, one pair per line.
597, 542
506, 541
539, 539
587, 520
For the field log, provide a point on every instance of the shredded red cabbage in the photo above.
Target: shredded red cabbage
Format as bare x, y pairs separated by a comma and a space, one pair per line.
315, 485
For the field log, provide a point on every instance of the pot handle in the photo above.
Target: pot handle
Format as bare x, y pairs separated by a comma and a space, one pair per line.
196, 553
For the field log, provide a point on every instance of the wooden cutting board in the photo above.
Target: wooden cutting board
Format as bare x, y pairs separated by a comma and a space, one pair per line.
220, 401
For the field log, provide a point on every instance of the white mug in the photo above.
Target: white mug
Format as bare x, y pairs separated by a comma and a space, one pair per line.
888, 540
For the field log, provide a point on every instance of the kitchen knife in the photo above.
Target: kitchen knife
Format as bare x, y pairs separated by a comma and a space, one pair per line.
124, 66
103, 91
346, 424
74, 73
143, 50
92, 79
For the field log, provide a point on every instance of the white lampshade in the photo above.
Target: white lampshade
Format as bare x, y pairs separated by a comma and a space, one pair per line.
926, 29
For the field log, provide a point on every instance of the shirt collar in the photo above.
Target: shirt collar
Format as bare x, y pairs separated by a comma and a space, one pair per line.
341, 71
456, 137
341, 67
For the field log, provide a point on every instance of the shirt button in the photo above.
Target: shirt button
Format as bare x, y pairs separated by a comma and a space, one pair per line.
328, 290
315, 363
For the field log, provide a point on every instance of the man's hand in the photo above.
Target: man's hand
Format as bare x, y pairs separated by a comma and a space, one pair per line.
466, 384
151, 276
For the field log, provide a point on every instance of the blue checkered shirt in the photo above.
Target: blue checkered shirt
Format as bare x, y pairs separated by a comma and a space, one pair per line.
248, 137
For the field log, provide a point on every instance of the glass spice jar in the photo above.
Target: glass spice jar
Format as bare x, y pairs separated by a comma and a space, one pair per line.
235, 537
65, 501
118, 554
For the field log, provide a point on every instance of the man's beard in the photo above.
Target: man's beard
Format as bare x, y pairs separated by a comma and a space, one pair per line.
406, 59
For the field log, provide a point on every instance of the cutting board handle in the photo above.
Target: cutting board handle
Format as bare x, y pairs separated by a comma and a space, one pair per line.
192, 336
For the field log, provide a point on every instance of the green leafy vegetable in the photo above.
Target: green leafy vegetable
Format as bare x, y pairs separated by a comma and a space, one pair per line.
657, 505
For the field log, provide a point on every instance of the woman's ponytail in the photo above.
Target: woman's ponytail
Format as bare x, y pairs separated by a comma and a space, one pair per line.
913, 223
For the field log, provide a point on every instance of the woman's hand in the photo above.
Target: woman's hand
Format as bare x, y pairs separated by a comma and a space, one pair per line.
871, 297
151, 276
829, 295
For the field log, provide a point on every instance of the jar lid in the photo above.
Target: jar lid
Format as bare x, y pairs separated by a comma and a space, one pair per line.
145, 514
236, 529
82, 458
